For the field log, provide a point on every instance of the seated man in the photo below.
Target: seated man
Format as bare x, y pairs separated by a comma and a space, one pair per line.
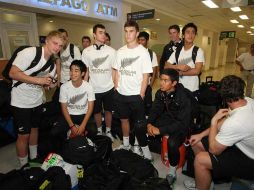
171, 115
229, 149
77, 101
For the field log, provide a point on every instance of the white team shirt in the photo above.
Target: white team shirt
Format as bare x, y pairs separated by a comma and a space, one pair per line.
76, 98
238, 129
99, 63
185, 57
247, 61
131, 65
29, 95
154, 60
66, 60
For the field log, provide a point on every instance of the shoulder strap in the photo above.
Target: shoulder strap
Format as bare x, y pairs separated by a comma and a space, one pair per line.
72, 51
194, 53
49, 64
36, 59
177, 53
150, 53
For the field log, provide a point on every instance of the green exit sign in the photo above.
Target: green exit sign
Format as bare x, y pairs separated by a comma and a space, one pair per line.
227, 34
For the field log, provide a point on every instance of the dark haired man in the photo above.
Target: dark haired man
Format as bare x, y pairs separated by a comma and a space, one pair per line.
65, 58
107, 39
229, 149
246, 63
188, 68
99, 58
175, 41
86, 42
77, 102
171, 115
26, 99
133, 65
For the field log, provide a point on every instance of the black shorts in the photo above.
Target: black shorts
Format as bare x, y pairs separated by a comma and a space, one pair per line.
26, 118
104, 99
232, 162
129, 107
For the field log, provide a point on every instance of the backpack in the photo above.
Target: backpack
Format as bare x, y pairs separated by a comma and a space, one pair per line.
50, 63
135, 165
194, 53
150, 53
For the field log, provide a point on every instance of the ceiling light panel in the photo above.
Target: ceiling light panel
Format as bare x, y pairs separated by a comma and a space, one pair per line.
210, 4
234, 21
244, 17
236, 9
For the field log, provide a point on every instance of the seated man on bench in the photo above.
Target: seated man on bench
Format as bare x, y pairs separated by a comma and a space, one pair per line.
171, 115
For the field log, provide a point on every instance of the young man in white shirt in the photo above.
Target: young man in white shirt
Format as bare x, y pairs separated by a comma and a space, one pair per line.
65, 58
77, 102
188, 69
99, 59
246, 63
226, 149
133, 65
27, 98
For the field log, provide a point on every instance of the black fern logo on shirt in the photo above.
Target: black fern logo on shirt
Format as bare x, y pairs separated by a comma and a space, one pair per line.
128, 61
64, 59
76, 98
99, 61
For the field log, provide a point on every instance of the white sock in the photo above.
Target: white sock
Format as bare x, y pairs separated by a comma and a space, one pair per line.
23, 160
136, 141
108, 129
33, 151
146, 152
172, 170
99, 129
126, 141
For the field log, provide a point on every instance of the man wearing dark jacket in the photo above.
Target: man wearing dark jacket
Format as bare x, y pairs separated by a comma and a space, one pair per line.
171, 115
175, 41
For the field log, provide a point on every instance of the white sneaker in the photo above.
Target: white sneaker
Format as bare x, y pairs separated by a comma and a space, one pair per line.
137, 150
123, 147
108, 134
99, 132
189, 184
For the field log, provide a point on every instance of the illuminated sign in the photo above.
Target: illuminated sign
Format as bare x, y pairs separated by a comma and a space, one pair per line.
106, 9
102, 9
76, 4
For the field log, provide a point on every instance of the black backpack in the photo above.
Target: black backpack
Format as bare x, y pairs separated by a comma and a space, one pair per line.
50, 63
194, 53
135, 165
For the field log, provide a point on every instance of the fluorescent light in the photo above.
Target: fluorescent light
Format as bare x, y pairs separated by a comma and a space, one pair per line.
51, 21
244, 17
252, 34
240, 26
144, 28
234, 21
210, 4
249, 32
252, 27
158, 19
236, 9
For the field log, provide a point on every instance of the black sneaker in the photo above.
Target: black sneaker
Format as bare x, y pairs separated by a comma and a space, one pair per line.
171, 179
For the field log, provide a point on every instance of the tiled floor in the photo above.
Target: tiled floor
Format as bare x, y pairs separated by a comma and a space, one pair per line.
8, 160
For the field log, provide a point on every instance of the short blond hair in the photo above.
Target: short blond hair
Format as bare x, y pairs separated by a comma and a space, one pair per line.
54, 33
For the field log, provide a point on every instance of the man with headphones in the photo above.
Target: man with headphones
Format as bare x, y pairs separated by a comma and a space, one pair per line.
171, 115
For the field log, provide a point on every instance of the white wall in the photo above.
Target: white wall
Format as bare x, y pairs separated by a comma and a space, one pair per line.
75, 29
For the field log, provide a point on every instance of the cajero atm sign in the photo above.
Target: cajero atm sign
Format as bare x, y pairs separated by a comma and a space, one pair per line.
103, 9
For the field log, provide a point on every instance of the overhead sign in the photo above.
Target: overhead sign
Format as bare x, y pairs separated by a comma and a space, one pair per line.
141, 15
101, 9
227, 34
